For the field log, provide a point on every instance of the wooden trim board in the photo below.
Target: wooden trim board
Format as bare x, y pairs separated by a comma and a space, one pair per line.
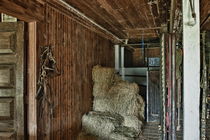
31, 85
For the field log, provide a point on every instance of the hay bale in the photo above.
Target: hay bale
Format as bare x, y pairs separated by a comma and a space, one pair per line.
117, 78
128, 132
100, 89
124, 87
103, 79
116, 136
103, 104
123, 104
84, 136
133, 122
103, 74
100, 125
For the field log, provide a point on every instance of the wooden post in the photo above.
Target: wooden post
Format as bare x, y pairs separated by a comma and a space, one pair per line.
31, 85
191, 42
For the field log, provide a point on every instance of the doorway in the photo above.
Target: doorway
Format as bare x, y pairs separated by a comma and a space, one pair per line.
18, 80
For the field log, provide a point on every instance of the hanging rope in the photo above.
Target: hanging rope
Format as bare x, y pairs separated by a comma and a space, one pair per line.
192, 7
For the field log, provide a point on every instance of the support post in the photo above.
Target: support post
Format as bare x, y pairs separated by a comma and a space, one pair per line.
117, 57
205, 88
173, 85
163, 86
122, 62
191, 44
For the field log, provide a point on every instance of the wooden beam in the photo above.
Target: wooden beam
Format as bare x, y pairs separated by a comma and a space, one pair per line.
191, 45
32, 10
80, 18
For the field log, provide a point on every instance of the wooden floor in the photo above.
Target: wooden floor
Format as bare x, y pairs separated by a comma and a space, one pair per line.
151, 131
208, 129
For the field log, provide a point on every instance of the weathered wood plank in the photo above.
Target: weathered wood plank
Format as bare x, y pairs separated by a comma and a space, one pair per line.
76, 49
32, 10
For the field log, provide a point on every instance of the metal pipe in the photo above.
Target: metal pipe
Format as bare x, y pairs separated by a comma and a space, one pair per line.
173, 93
179, 98
169, 86
147, 96
139, 44
117, 57
122, 62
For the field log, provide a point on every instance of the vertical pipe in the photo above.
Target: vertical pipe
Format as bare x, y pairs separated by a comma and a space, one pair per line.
191, 45
173, 87
163, 86
117, 57
122, 62
169, 86
179, 97
204, 86
147, 98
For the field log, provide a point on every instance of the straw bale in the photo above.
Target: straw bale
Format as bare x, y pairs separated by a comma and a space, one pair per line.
124, 87
126, 131
100, 125
100, 89
123, 104
103, 74
133, 122
117, 136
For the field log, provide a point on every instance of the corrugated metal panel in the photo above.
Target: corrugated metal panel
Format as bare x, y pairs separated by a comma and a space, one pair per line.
77, 50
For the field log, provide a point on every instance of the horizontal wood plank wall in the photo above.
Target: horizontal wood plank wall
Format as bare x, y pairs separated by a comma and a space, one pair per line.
77, 50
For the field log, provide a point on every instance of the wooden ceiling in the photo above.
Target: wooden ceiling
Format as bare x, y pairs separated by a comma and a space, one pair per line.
131, 19
205, 14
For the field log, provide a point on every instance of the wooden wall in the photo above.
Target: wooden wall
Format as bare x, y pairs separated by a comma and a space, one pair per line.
77, 50
78, 46
138, 58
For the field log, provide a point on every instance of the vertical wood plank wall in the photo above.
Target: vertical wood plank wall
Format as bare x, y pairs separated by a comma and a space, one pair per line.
77, 50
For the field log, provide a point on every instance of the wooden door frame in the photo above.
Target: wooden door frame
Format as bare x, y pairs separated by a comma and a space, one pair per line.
31, 73
32, 81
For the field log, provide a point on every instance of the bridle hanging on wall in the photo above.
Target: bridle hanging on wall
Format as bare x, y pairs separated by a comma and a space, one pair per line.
48, 69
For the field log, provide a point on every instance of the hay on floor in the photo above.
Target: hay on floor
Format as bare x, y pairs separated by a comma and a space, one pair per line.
118, 109
100, 125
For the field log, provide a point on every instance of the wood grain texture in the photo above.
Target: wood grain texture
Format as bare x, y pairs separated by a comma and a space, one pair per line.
27, 10
76, 49
31, 82
205, 14
121, 16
